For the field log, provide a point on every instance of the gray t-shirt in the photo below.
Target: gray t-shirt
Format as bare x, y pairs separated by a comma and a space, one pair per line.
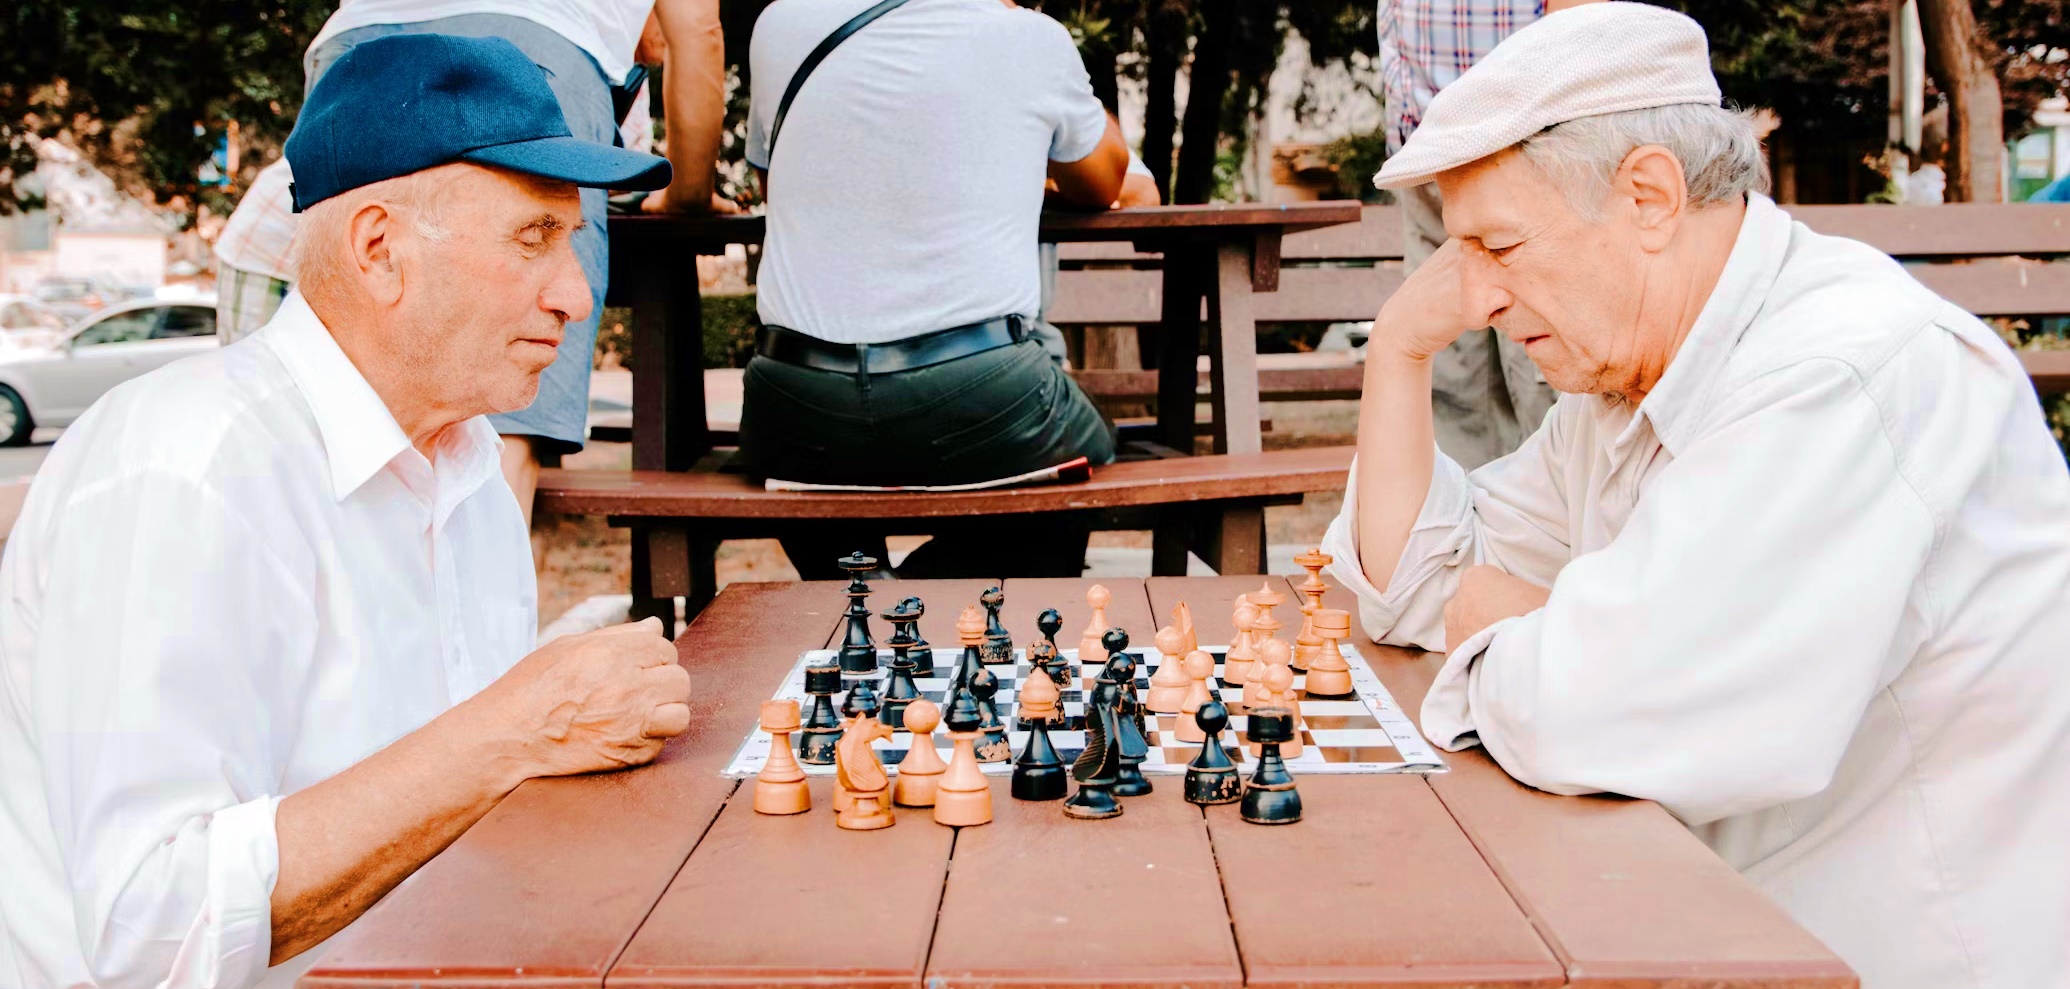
910, 179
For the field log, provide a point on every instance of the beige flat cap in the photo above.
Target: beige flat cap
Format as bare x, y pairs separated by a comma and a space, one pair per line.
1595, 58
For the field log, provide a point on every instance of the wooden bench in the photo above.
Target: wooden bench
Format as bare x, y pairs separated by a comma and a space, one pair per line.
1214, 505
1998, 259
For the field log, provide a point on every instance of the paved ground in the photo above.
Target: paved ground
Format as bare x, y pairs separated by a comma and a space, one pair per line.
18, 462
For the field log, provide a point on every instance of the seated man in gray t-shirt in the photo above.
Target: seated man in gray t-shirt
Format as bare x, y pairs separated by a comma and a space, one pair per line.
900, 277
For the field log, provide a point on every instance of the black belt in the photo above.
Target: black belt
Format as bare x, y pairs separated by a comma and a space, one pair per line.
789, 346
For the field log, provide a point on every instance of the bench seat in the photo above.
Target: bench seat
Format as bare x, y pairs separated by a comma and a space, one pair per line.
1180, 480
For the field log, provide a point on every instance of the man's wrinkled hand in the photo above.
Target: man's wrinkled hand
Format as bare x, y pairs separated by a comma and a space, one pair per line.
1429, 310
599, 700
1487, 595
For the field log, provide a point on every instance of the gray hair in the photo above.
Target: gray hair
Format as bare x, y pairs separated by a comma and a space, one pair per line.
1719, 149
319, 245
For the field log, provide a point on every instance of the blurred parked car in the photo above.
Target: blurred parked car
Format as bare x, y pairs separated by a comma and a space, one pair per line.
52, 385
76, 297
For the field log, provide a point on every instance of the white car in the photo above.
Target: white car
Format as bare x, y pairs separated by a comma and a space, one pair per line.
53, 385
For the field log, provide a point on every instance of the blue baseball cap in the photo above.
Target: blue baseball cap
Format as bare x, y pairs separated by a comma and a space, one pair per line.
408, 102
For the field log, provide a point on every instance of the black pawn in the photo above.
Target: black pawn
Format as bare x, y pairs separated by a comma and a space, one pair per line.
1269, 796
899, 690
1121, 668
923, 654
821, 729
858, 650
1038, 774
862, 699
1099, 765
1049, 623
993, 747
1211, 777
998, 643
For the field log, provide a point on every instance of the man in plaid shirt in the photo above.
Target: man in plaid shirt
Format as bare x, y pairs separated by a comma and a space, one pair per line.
1485, 394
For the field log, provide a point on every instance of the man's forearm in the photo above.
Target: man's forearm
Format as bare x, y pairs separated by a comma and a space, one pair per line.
696, 102
1395, 458
345, 842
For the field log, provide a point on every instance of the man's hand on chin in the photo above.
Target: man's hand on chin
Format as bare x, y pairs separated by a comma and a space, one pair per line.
1487, 595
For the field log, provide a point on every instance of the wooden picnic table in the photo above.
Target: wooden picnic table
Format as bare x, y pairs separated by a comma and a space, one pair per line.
1217, 254
664, 876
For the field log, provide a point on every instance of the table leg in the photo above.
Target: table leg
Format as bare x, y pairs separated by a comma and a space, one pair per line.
1235, 540
668, 428
1178, 347
662, 571
1233, 377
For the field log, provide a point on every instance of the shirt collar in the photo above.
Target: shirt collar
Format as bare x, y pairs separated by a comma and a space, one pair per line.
1674, 406
360, 434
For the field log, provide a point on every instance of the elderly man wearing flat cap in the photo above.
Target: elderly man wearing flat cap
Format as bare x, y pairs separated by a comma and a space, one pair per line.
265, 620
1792, 557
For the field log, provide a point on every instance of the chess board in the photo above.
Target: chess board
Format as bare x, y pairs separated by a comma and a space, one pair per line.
1366, 733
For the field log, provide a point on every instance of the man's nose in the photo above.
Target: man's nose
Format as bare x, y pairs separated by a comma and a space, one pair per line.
568, 291
1482, 294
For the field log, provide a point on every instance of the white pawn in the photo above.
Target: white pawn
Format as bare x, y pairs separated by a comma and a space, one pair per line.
1168, 685
1199, 667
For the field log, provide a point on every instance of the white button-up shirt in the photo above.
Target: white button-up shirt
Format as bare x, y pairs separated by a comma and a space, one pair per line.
233, 578
1812, 595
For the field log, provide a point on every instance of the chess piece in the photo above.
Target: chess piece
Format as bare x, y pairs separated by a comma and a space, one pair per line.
1265, 599
1038, 774
1044, 654
1269, 796
1168, 685
862, 697
970, 630
922, 766
1129, 741
923, 652
1329, 676
1272, 654
780, 786
1307, 642
1199, 666
862, 777
899, 688
998, 647
962, 797
993, 746
1099, 765
858, 650
1211, 777
1097, 598
1279, 693
1236, 664
822, 729
1182, 619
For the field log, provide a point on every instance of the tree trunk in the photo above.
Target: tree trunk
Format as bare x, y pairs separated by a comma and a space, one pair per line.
1207, 85
1164, 34
1956, 58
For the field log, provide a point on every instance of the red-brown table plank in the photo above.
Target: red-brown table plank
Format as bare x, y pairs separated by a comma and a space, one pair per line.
1035, 898
1349, 895
1621, 891
795, 901
1375, 887
547, 888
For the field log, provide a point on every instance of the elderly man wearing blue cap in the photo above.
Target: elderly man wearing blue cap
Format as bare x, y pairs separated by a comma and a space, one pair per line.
1792, 557
266, 624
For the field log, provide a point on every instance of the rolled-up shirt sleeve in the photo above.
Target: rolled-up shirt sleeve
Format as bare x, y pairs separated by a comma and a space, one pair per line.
1510, 513
172, 644
1718, 654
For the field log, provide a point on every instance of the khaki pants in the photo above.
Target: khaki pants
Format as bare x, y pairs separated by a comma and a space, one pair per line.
1485, 394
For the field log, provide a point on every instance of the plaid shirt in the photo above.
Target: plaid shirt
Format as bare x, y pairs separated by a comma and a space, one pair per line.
260, 236
1425, 44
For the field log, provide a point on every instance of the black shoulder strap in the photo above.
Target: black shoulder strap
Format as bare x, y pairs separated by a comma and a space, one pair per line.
818, 55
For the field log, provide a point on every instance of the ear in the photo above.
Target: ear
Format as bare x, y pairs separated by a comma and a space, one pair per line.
1650, 178
372, 231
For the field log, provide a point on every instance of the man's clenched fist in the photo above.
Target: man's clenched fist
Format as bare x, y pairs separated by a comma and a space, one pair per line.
599, 700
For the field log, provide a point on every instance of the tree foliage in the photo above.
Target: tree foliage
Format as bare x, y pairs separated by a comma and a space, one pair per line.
146, 87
